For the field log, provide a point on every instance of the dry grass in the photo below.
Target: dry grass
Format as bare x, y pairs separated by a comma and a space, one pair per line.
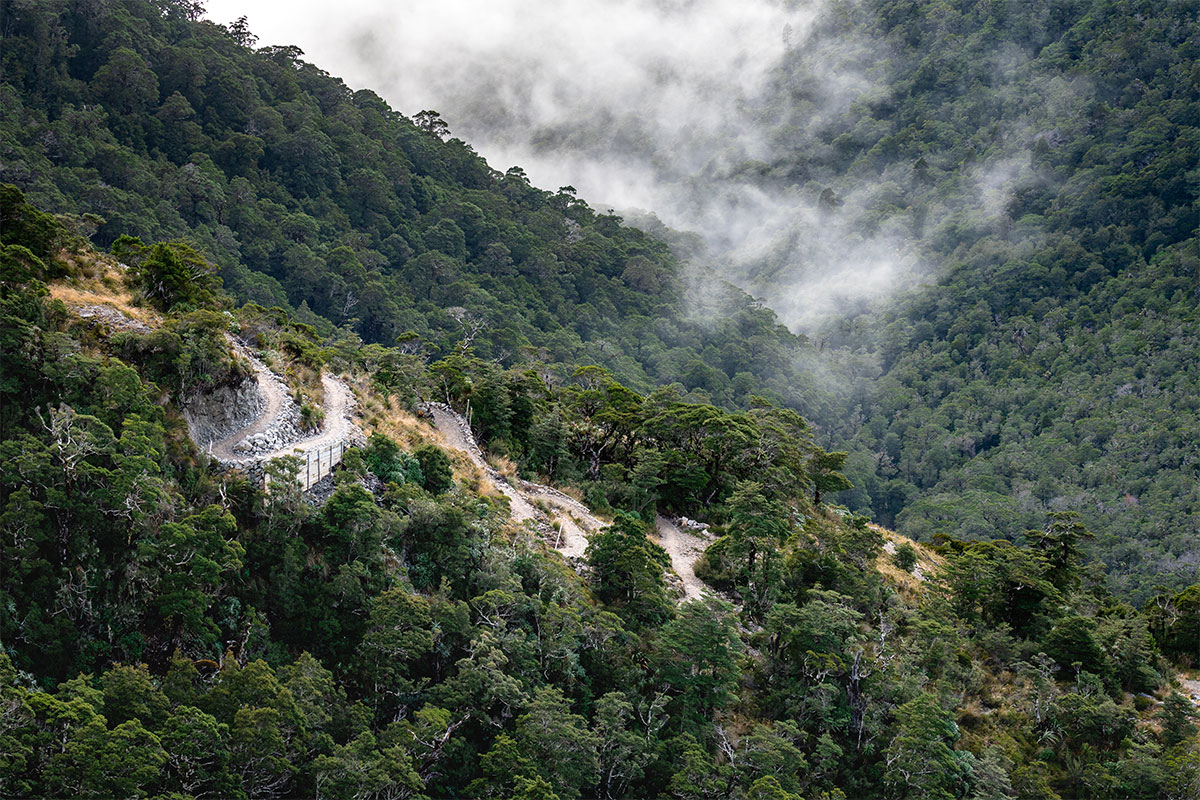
305, 383
89, 264
505, 466
928, 562
100, 281
387, 416
377, 414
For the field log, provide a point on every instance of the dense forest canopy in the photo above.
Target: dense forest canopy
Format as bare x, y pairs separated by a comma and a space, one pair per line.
170, 628
1042, 158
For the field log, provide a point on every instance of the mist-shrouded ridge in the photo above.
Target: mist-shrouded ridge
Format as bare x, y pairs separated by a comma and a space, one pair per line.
654, 105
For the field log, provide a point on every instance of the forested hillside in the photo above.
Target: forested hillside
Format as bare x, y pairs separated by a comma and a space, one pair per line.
143, 122
171, 628
168, 627
1040, 160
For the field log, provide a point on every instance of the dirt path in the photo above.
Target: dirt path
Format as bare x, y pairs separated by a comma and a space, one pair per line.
337, 426
454, 429
684, 548
269, 389
575, 522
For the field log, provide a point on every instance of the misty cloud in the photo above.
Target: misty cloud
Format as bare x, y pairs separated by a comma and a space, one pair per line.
665, 106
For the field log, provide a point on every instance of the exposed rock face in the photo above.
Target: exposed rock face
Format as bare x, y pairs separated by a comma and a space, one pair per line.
283, 426
214, 415
112, 317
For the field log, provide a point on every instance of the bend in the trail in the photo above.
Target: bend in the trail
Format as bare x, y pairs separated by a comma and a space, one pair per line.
279, 418
575, 523
684, 548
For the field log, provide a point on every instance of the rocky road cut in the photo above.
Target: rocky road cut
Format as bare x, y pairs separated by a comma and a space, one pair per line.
276, 432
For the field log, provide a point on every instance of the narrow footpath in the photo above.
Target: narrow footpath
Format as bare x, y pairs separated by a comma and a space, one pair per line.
277, 424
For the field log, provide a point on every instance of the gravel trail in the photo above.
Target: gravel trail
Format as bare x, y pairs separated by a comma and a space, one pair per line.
572, 518
458, 435
337, 426
273, 396
1191, 689
684, 548
576, 523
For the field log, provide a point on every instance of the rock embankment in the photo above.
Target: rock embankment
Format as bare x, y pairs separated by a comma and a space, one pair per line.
214, 416
111, 317
277, 423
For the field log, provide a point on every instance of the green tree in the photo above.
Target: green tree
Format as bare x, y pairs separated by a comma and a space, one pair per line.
364, 767
824, 469
1060, 543
559, 743
174, 276
435, 469
1177, 715
621, 752
197, 748
397, 637
695, 661
919, 761
757, 528
627, 571
126, 761
905, 557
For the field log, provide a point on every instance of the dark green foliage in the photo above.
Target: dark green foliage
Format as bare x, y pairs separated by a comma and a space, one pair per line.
28, 238
627, 571
170, 630
1174, 619
1049, 363
175, 277
905, 557
1177, 716
436, 475
391, 464
304, 193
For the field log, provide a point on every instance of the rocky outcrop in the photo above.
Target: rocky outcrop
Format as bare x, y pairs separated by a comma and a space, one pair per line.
113, 318
213, 416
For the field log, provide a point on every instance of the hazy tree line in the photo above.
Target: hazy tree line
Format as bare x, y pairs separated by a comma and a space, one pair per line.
1037, 157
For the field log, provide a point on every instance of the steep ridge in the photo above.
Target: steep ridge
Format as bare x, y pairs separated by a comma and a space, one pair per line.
574, 521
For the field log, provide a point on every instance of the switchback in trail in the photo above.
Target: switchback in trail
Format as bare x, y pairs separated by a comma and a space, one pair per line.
574, 522
275, 432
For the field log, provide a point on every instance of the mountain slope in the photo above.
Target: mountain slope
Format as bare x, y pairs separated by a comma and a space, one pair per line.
310, 196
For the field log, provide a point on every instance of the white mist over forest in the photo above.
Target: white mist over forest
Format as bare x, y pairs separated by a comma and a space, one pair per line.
663, 107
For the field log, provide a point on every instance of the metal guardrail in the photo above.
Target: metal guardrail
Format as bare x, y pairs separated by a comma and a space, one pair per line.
316, 465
